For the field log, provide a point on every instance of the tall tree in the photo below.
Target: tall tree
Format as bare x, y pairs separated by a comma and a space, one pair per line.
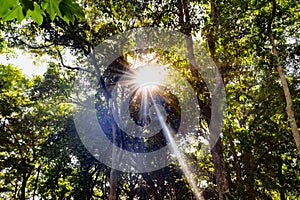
287, 94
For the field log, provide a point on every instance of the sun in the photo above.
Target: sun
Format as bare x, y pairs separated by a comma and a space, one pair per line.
149, 76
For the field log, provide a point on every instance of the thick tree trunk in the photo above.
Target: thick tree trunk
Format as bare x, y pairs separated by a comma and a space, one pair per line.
220, 172
23, 187
250, 168
287, 94
113, 179
217, 149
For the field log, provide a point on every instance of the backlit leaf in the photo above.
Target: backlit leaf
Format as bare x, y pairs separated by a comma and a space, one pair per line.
36, 14
52, 8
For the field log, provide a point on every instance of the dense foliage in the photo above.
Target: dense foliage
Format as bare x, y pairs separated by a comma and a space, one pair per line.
255, 46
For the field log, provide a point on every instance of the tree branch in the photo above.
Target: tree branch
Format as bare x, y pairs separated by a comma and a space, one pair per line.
69, 67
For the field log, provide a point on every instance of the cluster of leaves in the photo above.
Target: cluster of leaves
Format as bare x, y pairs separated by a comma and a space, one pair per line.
37, 10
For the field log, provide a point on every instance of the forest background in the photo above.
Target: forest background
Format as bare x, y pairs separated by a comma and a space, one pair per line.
255, 46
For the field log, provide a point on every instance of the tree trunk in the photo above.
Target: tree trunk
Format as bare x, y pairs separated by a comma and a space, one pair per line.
217, 149
289, 105
25, 178
281, 182
150, 182
220, 172
287, 94
113, 179
113, 183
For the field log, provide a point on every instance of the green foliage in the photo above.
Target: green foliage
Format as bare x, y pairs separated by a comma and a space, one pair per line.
36, 14
52, 7
24, 9
26, 122
70, 9
11, 10
41, 151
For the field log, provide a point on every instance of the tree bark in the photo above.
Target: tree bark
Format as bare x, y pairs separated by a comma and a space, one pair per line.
220, 172
25, 178
217, 149
23, 186
287, 94
113, 179
113, 183
281, 182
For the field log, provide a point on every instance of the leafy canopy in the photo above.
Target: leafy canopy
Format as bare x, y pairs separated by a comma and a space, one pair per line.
37, 10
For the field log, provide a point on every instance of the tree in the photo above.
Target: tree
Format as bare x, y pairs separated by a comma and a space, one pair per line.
289, 103
26, 122
254, 158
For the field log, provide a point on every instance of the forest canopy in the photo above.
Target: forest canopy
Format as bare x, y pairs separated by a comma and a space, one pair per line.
168, 99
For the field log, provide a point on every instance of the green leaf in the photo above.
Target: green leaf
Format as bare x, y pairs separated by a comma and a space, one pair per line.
36, 14
69, 10
6, 6
52, 8
66, 19
242, 98
10, 10
15, 12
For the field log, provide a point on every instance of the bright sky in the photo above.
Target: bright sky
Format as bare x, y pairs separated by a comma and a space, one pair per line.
25, 63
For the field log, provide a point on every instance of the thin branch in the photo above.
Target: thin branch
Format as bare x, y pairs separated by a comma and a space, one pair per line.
72, 68
36, 47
